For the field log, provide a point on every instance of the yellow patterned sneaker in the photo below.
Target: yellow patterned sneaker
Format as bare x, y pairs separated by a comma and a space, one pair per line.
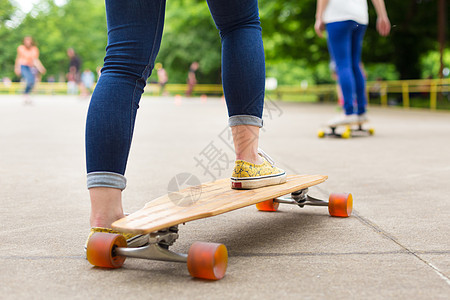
250, 176
133, 240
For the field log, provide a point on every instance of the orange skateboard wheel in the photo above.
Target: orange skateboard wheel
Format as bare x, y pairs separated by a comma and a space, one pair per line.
340, 204
100, 250
268, 205
207, 260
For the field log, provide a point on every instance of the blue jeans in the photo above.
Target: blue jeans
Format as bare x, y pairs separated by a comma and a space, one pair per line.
134, 35
345, 45
28, 75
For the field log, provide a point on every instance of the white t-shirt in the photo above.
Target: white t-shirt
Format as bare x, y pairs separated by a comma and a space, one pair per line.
343, 10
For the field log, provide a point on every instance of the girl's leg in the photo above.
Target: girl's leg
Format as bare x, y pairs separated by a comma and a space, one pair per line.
243, 71
134, 36
243, 77
360, 81
339, 44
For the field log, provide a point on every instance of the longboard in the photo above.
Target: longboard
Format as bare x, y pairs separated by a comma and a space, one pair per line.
215, 198
351, 130
159, 220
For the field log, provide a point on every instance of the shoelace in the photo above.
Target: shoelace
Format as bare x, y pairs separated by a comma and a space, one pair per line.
266, 156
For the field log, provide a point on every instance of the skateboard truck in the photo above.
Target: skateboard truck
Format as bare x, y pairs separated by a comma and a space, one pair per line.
157, 247
301, 198
339, 204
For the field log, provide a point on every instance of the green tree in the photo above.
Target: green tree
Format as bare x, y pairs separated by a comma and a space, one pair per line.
57, 28
293, 51
413, 36
190, 35
288, 34
6, 13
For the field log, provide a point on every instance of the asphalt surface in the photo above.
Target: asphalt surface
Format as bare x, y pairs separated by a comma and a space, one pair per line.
395, 245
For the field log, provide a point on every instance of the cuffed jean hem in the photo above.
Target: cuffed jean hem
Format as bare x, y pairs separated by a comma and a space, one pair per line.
245, 120
106, 179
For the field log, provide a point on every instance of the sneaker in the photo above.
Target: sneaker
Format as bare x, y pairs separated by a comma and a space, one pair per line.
133, 240
250, 176
362, 118
343, 120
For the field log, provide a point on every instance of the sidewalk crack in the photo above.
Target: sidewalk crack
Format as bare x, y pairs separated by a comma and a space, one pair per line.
385, 234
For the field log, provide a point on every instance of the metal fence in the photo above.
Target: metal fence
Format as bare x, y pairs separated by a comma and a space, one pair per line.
432, 93
424, 93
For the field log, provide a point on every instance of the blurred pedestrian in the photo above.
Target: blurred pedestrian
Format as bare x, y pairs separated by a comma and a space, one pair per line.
346, 22
27, 62
192, 79
163, 78
74, 75
72, 85
87, 82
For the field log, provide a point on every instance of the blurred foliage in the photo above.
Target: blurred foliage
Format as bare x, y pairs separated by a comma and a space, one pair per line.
190, 35
430, 63
381, 71
414, 34
6, 14
294, 53
289, 34
55, 29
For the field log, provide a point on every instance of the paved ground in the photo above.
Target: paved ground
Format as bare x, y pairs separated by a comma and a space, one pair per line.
396, 245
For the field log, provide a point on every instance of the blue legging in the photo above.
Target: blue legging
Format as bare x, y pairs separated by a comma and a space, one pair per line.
345, 45
134, 35
28, 75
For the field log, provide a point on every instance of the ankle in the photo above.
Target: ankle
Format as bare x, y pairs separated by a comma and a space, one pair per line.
104, 220
106, 206
245, 139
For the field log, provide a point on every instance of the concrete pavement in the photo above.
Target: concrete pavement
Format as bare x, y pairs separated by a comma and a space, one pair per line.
396, 244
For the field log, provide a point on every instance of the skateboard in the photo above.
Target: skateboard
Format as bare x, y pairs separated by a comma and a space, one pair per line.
351, 130
160, 218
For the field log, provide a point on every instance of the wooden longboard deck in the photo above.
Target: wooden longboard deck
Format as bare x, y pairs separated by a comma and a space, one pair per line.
344, 125
211, 199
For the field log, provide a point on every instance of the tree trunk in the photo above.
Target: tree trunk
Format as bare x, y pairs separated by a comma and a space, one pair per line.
442, 18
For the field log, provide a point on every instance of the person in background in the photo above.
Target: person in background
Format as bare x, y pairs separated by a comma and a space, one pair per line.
74, 75
27, 62
163, 78
87, 82
192, 79
346, 22
72, 86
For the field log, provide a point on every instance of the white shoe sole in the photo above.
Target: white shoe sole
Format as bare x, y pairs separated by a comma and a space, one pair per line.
257, 182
